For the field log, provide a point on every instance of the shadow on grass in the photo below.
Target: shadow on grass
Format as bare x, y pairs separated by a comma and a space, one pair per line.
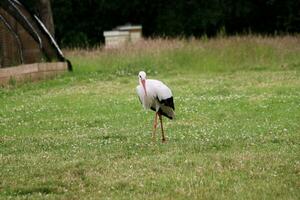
25, 191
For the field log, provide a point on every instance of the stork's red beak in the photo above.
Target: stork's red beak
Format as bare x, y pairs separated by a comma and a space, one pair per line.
144, 86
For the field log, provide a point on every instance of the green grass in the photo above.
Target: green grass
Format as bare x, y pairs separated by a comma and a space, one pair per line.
84, 135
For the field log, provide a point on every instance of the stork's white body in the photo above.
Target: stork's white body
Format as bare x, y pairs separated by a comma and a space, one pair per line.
155, 95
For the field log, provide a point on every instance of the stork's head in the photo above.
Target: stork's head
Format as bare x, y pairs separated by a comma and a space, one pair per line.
142, 80
142, 75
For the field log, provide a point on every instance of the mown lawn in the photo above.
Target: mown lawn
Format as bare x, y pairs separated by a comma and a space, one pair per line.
84, 135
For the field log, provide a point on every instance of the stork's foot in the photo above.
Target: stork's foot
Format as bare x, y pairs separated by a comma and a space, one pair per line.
164, 140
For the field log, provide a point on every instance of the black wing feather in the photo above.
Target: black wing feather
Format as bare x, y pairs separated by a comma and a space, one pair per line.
168, 102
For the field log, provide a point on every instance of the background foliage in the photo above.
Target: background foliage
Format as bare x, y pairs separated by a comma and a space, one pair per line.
79, 23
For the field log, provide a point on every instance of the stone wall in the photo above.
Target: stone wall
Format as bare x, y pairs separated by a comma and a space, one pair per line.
31, 72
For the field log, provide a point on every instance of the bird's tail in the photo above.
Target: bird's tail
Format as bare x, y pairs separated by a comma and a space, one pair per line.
167, 112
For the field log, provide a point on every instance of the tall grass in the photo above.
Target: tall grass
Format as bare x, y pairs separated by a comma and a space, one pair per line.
222, 54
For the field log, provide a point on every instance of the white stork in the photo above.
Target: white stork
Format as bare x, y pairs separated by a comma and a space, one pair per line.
155, 95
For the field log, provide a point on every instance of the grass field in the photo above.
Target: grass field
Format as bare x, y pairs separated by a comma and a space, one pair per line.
84, 135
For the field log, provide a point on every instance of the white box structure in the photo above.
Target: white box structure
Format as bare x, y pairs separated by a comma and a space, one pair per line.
115, 38
135, 32
122, 35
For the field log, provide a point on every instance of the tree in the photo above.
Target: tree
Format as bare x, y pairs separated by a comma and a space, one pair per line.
81, 23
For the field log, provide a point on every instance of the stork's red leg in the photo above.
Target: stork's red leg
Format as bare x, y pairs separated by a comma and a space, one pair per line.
163, 139
154, 126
